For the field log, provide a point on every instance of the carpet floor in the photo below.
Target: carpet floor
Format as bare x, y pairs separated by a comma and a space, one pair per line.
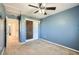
37, 47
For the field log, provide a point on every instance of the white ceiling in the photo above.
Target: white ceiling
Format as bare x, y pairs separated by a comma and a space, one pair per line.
15, 8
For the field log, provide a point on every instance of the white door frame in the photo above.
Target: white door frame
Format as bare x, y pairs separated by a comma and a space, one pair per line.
35, 29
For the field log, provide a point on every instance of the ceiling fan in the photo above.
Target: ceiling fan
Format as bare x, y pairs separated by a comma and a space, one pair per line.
42, 8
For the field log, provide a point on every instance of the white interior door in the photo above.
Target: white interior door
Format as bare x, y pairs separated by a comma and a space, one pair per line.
12, 31
35, 29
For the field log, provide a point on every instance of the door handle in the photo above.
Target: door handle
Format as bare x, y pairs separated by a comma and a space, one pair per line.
9, 30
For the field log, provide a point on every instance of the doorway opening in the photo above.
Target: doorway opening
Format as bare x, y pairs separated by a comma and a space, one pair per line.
29, 29
12, 32
32, 27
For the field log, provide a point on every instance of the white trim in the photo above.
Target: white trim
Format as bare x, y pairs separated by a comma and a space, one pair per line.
30, 40
30, 19
2, 51
27, 41
60, 45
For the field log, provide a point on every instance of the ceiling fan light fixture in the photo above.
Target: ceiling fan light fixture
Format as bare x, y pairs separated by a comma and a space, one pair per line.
43, 11
44, 4
40, 11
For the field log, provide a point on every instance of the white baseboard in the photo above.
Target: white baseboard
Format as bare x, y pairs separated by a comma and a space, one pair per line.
27, 41
2, 51
60, 45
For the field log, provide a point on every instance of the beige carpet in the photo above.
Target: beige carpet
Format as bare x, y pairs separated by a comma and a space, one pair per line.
37, 47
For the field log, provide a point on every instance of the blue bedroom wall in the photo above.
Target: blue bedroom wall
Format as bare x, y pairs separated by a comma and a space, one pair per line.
22, 29
62, 28
2, 33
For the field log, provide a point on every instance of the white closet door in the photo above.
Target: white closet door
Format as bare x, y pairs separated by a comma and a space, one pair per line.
35, 29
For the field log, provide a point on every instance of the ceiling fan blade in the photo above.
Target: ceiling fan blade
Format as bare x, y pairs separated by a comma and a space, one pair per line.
36, 11
33, 6
45, 13
50, 8
40, 4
